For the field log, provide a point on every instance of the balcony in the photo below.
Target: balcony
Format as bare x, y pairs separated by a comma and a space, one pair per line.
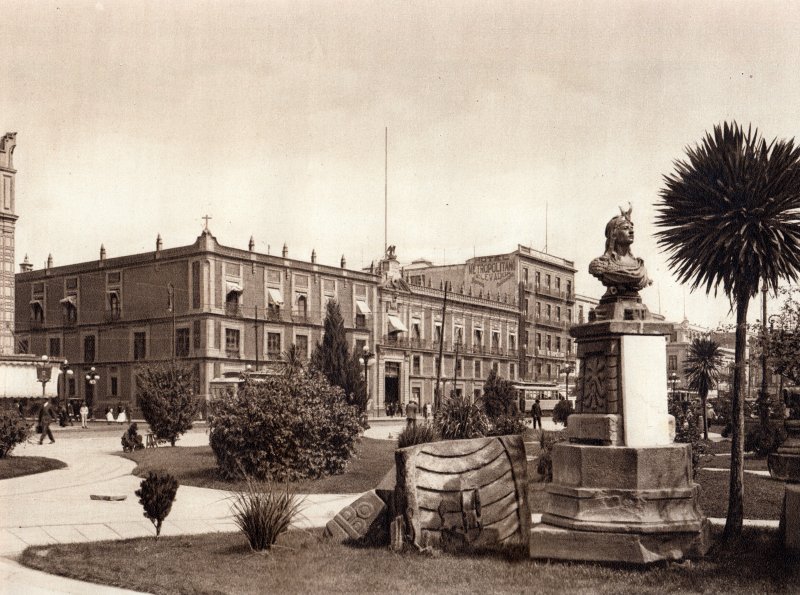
305, 317
233, 309
274, 315
552, 322
112, 315
232, 353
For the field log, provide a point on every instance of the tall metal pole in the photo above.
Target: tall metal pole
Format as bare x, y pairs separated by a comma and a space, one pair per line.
385, 189
763, 398
436, 396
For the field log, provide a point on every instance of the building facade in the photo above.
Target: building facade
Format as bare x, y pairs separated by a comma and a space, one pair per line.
540, 285
474, 335
8, 220
214, 307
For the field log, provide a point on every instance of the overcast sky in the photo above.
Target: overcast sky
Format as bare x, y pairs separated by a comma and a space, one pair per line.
138, 118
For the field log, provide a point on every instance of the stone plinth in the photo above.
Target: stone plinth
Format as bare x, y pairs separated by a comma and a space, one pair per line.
790, 518
785, 463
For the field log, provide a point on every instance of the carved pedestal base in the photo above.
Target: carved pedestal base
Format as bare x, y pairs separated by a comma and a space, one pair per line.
790, 518
622, 504
785, 463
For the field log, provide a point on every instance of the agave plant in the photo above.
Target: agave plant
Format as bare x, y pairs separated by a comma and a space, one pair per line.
729, 215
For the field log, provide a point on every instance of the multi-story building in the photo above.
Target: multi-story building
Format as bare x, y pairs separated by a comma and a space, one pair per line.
8, 219
475, 333
215, 307
678, 343
542, 286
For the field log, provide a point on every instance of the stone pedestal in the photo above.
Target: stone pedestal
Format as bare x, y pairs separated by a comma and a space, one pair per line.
790, 518
622, 491
785, 465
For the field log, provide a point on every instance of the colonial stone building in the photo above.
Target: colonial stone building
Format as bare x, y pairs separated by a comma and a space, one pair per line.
215, 307
542, 286
477, 334
8, 219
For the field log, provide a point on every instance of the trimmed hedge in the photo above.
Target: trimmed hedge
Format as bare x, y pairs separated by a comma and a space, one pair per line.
283, 428
13, 430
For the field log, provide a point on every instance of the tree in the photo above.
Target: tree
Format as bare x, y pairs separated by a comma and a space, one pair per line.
167, 399
730, 215
703, 366
782, 340
499, 396
332, 358
293, 361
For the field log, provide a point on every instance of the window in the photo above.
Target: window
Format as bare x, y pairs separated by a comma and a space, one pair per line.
273, 345
526, 306
437, 332
459, 366
547, 281
525, 275
478, 371
580, 314
538, 340
558, 313
495, 367
569, 288
549, 311
139, 346
478, 339
182, 342
416, 326
416, 366
55, 347
196, 333
569, 345
549, 370
673, 362
538, 309
459, 335
360, 344
114, 386
476, 394
512, 371
361, 320
37, 312
512, 341
196, 284
301, 341
232, 341
569, 314
22, 346
495, 340
88, 348
558, 343
538, 278
558, 283
548, 342
114, 306
71, 386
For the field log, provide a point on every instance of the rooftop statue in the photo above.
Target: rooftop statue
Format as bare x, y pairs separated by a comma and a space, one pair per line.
618, 269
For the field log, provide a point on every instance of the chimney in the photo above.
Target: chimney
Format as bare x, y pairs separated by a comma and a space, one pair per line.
313, 256
343, 262
49, 261
285, 252
252, 244
102, 252
159, 243
25, 265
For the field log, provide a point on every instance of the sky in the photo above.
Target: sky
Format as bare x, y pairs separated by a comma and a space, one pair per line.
508, 123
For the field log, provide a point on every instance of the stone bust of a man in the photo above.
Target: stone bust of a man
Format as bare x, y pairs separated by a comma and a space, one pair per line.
618, 269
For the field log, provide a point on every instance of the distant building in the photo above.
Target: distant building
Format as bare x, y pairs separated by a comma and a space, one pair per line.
540, 285
8, 220
678, 343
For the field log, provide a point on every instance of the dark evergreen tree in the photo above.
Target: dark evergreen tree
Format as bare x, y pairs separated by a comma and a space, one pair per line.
499, 396
333, 360
166, 396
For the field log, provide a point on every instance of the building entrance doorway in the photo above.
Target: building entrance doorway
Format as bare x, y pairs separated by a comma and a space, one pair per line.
391, 387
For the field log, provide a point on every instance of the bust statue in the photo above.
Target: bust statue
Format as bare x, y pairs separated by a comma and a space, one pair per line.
618, 269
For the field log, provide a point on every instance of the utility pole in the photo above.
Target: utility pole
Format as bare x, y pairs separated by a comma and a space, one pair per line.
437, 398
171, 293
763, 397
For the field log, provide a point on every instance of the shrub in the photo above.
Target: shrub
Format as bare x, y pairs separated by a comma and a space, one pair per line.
263, 512
562, 411
763, 442
506, 425
166, 397
283, 428
499, 396
420, 433
689, 428
13, 430
457, 418
544, 466
131, 440
156, 494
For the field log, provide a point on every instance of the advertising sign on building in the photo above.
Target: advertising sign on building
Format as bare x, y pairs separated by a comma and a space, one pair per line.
490, 271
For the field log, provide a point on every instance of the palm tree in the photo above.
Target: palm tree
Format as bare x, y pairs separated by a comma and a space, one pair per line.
293, 361
730, 215
703, 366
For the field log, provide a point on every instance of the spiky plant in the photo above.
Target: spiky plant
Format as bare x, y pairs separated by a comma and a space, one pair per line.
703, 366
729, 215
263, 511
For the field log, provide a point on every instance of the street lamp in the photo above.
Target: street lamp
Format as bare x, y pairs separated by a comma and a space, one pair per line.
366, 355
673, 378
43, 373
65, 371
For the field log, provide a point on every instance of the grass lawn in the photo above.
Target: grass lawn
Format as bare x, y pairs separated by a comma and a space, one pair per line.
18, 466
304, 563
763, 496
197, 466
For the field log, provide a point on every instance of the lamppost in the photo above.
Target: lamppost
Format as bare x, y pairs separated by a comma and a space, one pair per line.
763, 395
569, 370
673, 378
43, 373
92, 377
366, 355
65, 371
772, 320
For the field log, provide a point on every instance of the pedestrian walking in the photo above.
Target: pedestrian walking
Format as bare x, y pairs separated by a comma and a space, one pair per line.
46, 415
536, 413
84, 414
411, 414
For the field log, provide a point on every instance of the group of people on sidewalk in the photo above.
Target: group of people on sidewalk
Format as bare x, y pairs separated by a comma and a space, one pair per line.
48, 415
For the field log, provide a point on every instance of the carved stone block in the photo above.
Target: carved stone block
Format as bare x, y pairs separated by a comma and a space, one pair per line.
463, 494
596, 429
366, 515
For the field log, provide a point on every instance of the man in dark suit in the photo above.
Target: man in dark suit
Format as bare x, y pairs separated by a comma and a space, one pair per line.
46, 415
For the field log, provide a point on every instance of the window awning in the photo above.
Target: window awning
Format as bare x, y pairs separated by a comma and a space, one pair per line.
68, 301
396, 325
362, 307
233, 287
275, 296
